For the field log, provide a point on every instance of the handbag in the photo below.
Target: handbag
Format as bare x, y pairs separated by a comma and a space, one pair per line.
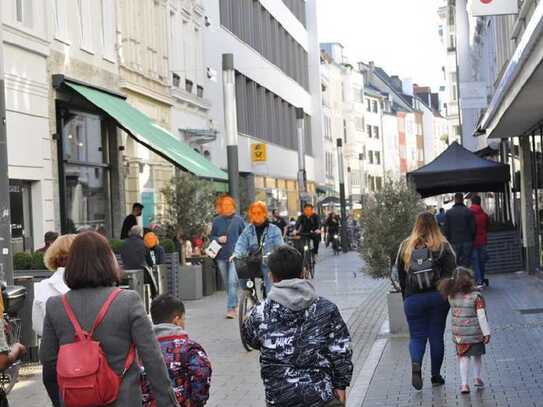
213, 249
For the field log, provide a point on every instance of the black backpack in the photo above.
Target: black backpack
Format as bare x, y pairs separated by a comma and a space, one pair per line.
423, 274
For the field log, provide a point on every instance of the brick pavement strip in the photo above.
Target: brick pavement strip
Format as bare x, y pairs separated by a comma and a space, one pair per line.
236, 376
512, 368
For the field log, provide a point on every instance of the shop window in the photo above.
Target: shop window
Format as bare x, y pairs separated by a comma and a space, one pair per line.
86, 198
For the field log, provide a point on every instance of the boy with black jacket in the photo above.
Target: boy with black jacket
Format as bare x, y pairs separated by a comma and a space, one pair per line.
305, 346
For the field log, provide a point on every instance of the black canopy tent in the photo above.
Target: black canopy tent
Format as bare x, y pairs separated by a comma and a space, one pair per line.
459, 170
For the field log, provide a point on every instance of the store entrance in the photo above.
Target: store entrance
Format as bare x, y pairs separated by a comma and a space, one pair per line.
21, 216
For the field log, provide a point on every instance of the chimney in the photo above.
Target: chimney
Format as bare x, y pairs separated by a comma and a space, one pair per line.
396, 82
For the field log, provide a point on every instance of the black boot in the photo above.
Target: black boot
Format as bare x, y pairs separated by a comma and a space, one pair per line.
438, 381
416, 378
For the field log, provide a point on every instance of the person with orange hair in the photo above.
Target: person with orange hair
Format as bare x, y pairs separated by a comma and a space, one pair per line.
155, 252
226, 229
260, 236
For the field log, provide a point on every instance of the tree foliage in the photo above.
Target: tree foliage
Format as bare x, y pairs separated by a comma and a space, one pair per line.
189, 204
387, 221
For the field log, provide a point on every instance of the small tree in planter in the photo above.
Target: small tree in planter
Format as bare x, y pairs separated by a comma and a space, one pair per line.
387, 221
188, 208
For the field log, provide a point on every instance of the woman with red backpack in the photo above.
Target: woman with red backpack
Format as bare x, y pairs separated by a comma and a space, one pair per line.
92, 333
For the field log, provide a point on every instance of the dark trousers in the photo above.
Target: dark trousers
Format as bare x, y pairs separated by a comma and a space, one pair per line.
463, 253
316, 243
427, 317
479, 257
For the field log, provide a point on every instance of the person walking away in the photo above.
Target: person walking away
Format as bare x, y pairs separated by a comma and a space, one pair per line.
155, 252
425, 258
309, 223
92, 275
332, 226
480, 254
440, 218
187, 362
305, 346
48, 240
55, 260
460, 230
226, 229
259, 237
278, 221
470, 328
131, 220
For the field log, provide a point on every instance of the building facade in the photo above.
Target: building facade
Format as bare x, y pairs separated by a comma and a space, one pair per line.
276, 58
31, 171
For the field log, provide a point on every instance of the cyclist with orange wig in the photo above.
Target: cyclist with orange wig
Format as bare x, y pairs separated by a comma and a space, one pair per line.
259, 235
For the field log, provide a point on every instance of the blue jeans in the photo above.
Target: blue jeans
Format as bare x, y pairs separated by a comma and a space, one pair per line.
427, 317
230, 279
479, 258
463, 253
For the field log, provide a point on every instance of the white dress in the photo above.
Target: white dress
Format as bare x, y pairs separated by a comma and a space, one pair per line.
43, 290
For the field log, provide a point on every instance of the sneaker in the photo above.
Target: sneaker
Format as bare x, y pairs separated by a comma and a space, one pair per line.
479, 383
231, 314
464, 389
416, 378
480, 287
438, 381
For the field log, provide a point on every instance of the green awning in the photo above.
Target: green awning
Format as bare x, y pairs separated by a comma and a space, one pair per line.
221, 187
151, 135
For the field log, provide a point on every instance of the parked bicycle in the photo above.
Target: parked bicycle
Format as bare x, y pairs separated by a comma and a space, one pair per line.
14, 298
249, 272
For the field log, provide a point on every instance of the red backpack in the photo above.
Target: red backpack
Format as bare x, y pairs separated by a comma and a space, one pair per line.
84, 376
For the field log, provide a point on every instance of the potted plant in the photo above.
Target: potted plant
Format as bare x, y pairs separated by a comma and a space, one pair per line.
188, 208
387, 221
22, 261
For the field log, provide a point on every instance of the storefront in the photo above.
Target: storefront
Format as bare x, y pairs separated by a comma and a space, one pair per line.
281, 194
91, 155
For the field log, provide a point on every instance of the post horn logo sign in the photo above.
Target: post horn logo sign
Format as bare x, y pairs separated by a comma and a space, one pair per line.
480, 8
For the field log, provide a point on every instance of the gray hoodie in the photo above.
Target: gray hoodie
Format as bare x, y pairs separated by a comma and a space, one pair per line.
162, 330
294, 294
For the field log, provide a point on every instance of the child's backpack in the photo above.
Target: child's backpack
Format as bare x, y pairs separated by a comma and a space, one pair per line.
84, 376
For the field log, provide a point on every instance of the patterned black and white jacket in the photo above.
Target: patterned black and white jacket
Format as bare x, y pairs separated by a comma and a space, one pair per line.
305, 346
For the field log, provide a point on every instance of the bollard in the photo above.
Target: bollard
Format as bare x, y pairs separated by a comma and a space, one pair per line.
28, 337
133, 280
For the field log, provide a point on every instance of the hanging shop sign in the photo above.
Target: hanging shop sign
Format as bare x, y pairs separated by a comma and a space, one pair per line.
480, 8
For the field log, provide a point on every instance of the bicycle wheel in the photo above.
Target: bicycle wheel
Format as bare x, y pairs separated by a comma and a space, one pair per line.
245, 304
9, 377
312, 266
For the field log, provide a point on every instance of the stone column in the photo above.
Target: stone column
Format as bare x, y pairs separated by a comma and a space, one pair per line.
527, 206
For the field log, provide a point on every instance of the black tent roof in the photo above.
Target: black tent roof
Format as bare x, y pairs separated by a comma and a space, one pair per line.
459, 170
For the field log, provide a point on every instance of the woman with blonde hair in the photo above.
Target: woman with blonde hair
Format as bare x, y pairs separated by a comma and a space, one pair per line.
425, 258
55, 260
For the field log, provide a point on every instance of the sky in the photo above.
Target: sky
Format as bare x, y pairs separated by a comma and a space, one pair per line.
400, 36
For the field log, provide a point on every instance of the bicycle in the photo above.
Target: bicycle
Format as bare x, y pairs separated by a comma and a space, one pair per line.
14, 297
307, 252
249, 295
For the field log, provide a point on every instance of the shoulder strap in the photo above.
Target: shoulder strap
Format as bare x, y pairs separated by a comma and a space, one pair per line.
103, 311
73, 319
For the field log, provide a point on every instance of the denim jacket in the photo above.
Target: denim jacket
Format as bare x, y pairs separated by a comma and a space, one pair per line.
248, 240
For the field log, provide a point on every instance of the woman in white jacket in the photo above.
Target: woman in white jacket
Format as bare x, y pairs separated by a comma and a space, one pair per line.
55, 260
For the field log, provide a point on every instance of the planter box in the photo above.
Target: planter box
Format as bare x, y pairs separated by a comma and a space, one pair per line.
190, 282
209, 276
396, 314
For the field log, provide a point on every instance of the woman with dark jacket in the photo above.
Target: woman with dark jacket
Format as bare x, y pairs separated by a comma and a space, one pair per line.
424, 259
92, 274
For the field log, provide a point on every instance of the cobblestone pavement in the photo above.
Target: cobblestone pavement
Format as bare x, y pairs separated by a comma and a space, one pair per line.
512, 368
236, 376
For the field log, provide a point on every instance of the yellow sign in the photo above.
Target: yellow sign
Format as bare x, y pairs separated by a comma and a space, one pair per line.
259, 152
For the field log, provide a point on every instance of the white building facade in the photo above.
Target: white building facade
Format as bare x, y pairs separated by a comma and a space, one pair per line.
276, 58
25, 52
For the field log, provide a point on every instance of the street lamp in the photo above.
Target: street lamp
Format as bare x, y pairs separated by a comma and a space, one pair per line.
343, 204
302, 176
231, 125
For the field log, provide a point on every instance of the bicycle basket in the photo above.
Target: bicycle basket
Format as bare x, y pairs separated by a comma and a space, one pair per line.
249, 267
